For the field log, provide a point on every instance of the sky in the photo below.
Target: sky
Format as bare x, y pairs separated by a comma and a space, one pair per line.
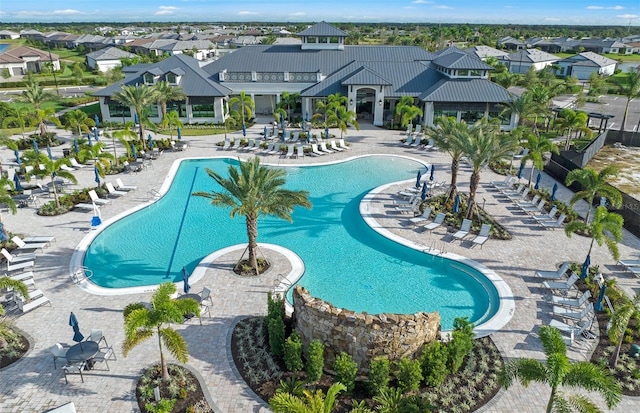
549, 12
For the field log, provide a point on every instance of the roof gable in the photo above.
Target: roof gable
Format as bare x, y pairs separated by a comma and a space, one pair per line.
365, 76
466, 90
461, 60
323, 29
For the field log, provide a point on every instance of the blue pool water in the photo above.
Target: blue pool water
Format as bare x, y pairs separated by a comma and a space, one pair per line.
346, 262
3, 47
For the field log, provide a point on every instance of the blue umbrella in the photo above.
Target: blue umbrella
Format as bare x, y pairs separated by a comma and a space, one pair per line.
95, 117
264, 131
77, 335
17, 154
456, 204
134, 154
35, 145
585, 267
179, 133
521, 169
425, 188
418, 178
433, 168
150, 141
244, 130
16, 180
97, 173
49, 152
537, 185
89, 138
306, 116
599, 306
326, 132
96, 133
136, 120
76, 147
553, 192
96, 219
3, 233
185, 281
281, 121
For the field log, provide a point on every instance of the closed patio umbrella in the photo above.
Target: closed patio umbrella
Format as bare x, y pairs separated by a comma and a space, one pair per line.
456, 204
326, 132
418, 178
425, 188
96, 134
521, 169
150, 141
49, 152
433, 169
76, 147
136, 120
179, 133
95, 117
244, 130
89, 138
599, 305
16, 181
281, 121
35, 145
77, 335
537, 185
97, 174
585, 267
264, 131
17, 154
185, 281
134, 154
553, 192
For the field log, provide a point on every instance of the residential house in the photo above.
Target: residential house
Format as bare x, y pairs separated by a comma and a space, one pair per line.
31, 34
198, 49
583, 64
522, 60
23, 59
8, 34
509, 43
106, 59
483, 52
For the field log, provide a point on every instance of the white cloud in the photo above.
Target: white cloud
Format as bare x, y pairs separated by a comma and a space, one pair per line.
551, 19
246, 13
627, 16
442, 7
508, 7
605, 7
166, 10
297, 14
421, 2
66, 12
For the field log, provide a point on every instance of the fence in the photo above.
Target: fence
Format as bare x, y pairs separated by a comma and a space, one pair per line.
582, 158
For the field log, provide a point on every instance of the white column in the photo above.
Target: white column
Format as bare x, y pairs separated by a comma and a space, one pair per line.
428, 113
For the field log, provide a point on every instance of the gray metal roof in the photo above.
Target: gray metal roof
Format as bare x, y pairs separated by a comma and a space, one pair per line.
485, 51
461, 60
194, 82
110, 53
466, 90
589, 59
323, 29
532, 56
365, 76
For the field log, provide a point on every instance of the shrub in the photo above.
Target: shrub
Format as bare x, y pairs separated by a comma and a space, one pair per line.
409, 374
434, 363
276, 329
291, 385
293, 352
162, 406
378, 375
315, 360
346, 370
461, 343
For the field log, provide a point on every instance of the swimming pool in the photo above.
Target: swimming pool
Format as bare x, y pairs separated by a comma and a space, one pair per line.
346, 262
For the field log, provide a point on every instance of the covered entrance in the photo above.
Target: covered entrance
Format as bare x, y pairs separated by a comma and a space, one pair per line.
365, 103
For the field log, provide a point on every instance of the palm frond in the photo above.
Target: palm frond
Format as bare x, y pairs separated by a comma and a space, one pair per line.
175, 344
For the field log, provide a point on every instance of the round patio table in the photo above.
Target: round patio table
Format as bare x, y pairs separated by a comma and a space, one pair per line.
83, 351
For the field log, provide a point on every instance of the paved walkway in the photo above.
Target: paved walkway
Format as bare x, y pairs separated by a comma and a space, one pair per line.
32, 385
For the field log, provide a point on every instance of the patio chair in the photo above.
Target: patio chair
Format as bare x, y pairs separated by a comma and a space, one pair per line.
59, 353
418, 141
105, 353
424, 217
572, 330
570, 302
205, 296
250, 145
334, 147
315, 151
323, 148
96, 199
16, 259
276, 149
520, 196
409, 140
39, 238
534, 208
571, 313
19, 266
405, 202
236, 144
554, 275
554, 224
256, 145
464, 230
507, 182
437, 221
299, 151
418, 129
430, 145
97, 336
27, 247
32, 304
510, 192
532, 203
227, 144
289, 153
550, 216
75, 164
65, 408
112, 191
408, 208
483, 236
123, 187
629, 264
75, 368
562, 285
342, 145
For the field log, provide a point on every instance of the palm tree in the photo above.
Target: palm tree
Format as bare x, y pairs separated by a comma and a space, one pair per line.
35, 95
594, 184
448, 135
52, 169
165, 92
541, 96
619, 322
79, 121
138, 96
123, 136
289, 101
245, 105
484, 144
317, 402
171, 120
569, 120
18, 286
605, 228
20, 117
6, 185
558, 371
142, 322
538, 146
46, 115
522, 107
630, 88
408, 114
102, 159
343, 118
254, 190
403, 103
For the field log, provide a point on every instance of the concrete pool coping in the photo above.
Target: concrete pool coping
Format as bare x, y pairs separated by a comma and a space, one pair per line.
506, 306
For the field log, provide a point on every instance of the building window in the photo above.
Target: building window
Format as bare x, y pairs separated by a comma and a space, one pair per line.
504, 119
116, 110
151, 111
148, 78
437, 113
179, 107
476, 73
203, 111
471, 116
463, 72
171, 78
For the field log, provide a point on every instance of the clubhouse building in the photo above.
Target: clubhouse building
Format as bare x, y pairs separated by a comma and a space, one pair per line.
373, 78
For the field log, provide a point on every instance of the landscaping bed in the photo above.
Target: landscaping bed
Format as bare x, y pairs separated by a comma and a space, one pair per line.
182, 387
13, 345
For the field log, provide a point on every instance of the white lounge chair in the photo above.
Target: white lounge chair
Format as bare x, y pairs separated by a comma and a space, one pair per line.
227, 144
123, 187
15, 259
342, 145
418, 128
550, 216
430, 145
323, 147
534, 208
418, 140
483, 236
112, 191
299, 151
27, 247
554, 224
256, 145
408, 208
96, 199
437, 221
65, 408
532, 203
289, 153
570, 302
20, 266
315, 151
572, 330
510, 191
519, 197
554, 275
424, 217
562, 285
400, 202
236, 144
334, 147
276, 149
75, 164
268, 149
629, 264
409, 140
507, 182
39, 238
25, 307
250, 145
86, 206
464, 229
571, 313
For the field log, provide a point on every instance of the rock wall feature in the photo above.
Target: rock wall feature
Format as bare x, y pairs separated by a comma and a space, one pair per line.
363, 336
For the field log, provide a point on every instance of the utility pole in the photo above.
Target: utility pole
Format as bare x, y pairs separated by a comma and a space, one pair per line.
53, 70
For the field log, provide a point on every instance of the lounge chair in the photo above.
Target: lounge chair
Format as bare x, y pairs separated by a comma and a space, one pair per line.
342, 145
236, 144
531, 203
289, 153
554, 224
418, 129
483, 236
405, 202
20, 266
86, 206
562, 285
250, 145
334, 147
550, 216
33, 303
522, 154
409, 140
96, 199
67, 168
315, 151
23, 276
268, 149
123, 187
437, 221
521, 196
65, 408
299, 151
276, 149
464, 230
75, 164
571, 313
572, 330
554, 275
409, 129
39, 238
507, 182
511, 192
629, 264
256, 145
570, 302
227, 144
424, 217
27, 247
534, 208
430, 145
408, 208
417, 142
323, 147
112, 191
15, 259
296, 136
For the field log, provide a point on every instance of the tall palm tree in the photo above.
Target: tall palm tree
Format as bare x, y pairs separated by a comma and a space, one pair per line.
95, 152
289, 101
245, 105
172, 120
123, 136
20, 116
78, 121
541, 96
165, 92
18, 286
605, 228
6, 185
51, 169
571, 121
538, 146
594, 184
46, 115
623, 312
142, 322
630, 88
482, 144
401, 107
558, 371
254, 190
311, 402
138, 96
325, 107
448, 134
343, 118
522, 106
35, 95
408, 114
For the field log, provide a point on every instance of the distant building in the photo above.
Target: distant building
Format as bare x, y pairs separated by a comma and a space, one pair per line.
106, 59
509, 43
483, 52
522, 60
23, 59
8, 34
583, 64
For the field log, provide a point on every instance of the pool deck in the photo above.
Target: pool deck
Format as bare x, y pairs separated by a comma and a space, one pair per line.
32, 384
